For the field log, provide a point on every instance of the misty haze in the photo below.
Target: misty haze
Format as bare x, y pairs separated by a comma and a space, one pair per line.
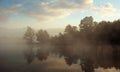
59, 36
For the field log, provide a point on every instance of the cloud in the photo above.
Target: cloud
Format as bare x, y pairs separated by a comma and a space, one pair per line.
70, 4
45, 10
5, 12
50, 10
106, 9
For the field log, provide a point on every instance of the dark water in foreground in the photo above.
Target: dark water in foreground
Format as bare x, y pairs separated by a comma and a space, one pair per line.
12, 60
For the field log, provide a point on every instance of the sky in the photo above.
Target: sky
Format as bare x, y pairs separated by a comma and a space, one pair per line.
44, 14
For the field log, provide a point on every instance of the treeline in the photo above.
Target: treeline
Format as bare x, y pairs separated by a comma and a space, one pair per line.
98, 42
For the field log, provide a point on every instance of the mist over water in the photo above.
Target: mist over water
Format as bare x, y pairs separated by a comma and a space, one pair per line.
12, 60
12, 48
65, 52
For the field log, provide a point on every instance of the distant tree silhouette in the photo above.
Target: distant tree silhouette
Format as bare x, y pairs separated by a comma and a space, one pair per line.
43, 39
86, 24
86, 27
29, 35
70, 29
42, 36
95, 44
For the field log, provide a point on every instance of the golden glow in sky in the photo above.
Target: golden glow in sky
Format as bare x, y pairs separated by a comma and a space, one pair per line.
55, 13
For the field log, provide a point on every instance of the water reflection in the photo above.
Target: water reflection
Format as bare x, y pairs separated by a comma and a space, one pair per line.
29, 55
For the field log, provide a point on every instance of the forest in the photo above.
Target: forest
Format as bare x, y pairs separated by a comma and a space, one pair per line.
95, 44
